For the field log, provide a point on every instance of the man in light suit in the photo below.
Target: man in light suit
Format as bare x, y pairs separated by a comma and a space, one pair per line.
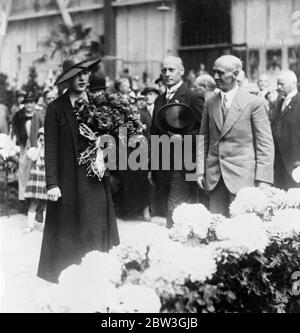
285, 127
236, 147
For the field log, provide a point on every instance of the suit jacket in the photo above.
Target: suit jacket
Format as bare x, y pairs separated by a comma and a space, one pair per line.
241, 149
19, 128
286, 133
186, 96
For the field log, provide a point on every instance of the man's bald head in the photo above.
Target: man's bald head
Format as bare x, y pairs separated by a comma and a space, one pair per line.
230, 62
172, 70
286, 82
226, 71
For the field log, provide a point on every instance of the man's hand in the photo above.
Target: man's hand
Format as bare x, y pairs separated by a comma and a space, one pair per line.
262, 185
54, 194
150, 179
200, 181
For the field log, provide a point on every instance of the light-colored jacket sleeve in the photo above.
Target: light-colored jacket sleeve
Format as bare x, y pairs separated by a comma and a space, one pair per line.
264, 144
203, 142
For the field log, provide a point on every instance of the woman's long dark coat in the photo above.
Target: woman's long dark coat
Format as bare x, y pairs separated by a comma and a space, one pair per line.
83, 219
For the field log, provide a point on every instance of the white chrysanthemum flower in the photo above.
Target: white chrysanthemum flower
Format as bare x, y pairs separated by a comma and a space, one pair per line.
139, 299
249, 200
246, 231
192, 220
285, 223
171, 266
106, 266
138, 242
293, 198
89, 298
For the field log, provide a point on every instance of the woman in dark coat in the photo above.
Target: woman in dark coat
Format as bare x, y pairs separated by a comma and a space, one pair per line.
80, 213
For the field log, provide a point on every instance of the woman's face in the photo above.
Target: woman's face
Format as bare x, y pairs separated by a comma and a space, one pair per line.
29, 107
79, 83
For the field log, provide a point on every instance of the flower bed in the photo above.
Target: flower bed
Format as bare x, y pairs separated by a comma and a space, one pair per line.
205, 263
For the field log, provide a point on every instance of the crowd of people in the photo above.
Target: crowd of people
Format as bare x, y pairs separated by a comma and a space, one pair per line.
240, 137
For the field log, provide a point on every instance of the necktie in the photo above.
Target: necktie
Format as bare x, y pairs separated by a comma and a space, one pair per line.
224, 108
285, 104
169, 95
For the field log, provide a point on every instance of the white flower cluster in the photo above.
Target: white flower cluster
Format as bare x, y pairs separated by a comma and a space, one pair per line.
172, 264
190, 221
248, 200
245, 232
140, 299
138, 242
94, 286
285, 223
7, 147
293, 198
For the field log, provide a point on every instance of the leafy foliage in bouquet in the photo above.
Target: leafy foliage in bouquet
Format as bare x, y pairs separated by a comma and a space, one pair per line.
107, 113
251, 283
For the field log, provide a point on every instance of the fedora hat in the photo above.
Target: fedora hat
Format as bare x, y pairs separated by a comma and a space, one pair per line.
177, 118
74, 65
29, 97
149, 89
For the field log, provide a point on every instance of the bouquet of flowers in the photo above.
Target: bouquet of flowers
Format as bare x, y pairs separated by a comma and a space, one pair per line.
102, 119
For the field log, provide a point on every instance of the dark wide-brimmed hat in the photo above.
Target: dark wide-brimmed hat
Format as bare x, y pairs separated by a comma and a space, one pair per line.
29, 97
177, 118
74, 65
149, 89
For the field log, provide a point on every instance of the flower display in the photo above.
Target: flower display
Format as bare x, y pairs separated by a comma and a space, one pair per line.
190, 220
245, 231
94, 262
285, 223
248, 200
177, 263
293, 198
138, 299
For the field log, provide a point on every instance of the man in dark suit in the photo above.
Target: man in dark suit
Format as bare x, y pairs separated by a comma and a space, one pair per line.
172, 185
235, 148
286, 133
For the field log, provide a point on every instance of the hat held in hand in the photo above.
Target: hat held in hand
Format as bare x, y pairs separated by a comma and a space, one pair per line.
75, 65
177, 118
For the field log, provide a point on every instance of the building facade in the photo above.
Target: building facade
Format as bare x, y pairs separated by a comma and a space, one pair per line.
264, 33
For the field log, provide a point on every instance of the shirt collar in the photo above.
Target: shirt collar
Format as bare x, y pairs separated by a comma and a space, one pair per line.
291, 94
175, 87
230, 94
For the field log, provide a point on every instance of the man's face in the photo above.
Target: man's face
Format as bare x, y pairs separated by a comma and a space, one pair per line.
284, 86
200, 88
262, 83
171, 72
51, 96
29, 107
80, 82
151, 97
225, 76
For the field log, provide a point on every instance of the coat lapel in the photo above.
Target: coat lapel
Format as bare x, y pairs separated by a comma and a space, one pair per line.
178, 96
71, 119
288, 108
217, 113
235, 111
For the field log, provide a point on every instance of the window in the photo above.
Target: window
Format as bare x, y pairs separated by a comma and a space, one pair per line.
204, 22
